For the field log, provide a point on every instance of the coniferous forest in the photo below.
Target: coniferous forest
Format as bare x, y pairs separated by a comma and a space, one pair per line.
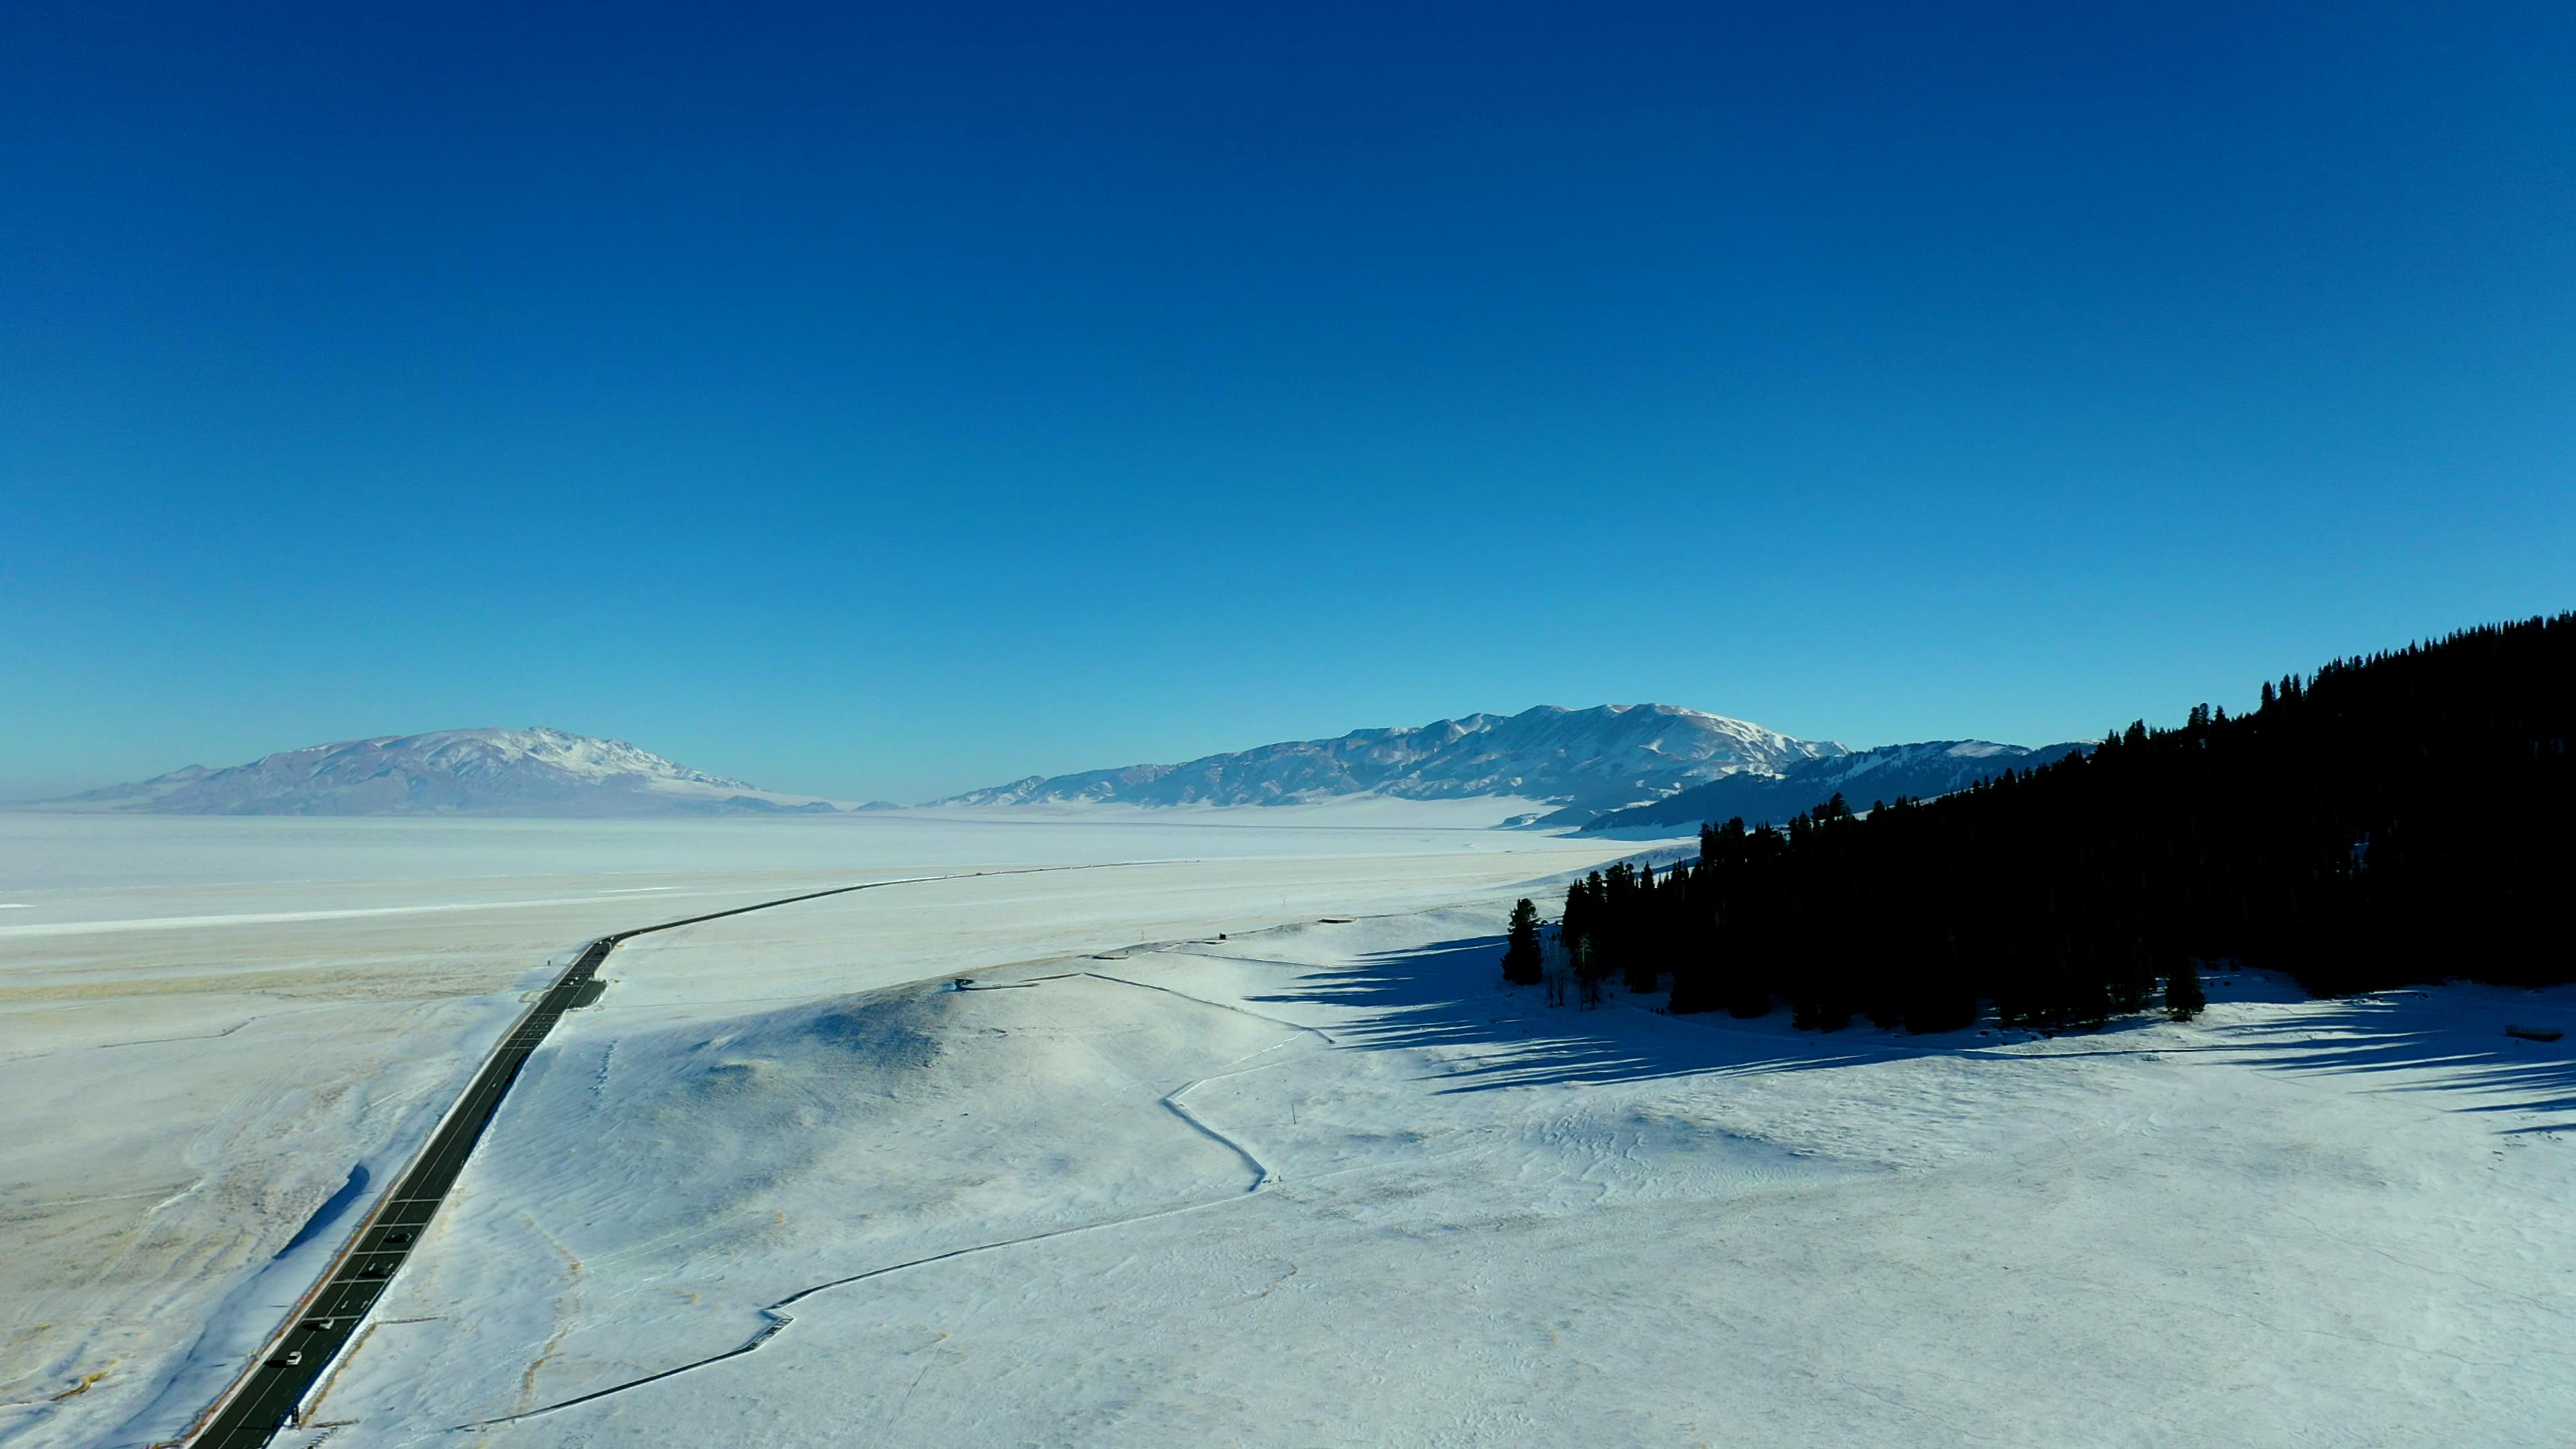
2406, 817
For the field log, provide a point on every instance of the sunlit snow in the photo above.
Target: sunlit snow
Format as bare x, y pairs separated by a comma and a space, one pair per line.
1310, 1183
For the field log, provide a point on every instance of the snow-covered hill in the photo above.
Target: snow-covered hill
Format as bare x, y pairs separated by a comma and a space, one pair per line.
448, 772
1933, 767
1588, 759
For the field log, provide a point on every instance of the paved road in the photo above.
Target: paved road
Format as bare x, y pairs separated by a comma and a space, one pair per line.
264, 1398
276, 1384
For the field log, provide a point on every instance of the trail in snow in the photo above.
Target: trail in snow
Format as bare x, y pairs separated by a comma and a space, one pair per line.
776, 1313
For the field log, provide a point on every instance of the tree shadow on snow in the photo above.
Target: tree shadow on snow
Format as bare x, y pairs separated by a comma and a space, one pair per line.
2446, 1040
1449, 995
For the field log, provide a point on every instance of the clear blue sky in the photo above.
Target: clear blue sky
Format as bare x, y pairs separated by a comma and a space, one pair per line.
894, 403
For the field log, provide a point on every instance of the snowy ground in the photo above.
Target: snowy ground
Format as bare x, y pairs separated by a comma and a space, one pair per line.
209, 1022
1326, 1184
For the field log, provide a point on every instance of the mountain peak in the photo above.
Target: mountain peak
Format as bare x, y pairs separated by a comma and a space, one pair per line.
488, 771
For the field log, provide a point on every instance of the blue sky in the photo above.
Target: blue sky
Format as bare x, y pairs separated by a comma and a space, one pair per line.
893, 403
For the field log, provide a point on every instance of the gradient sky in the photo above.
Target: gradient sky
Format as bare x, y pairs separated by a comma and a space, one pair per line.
887, 404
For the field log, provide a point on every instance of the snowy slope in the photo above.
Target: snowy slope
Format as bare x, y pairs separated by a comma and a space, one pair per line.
1933, 767
532, 771
1599, 758
1329, 1184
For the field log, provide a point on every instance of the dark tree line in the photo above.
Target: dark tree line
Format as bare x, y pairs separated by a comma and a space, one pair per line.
2391, 819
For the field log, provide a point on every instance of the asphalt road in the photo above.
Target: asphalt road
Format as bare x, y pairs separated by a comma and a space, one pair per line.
275, 1385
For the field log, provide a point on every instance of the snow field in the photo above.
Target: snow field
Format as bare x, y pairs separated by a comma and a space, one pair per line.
1328, 1184
206, 1023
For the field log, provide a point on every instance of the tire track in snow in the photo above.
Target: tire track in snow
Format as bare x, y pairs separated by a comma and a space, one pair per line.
776, 1314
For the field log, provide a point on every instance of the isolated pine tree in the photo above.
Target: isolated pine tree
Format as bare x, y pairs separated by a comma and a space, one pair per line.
2183, 995
1520, 950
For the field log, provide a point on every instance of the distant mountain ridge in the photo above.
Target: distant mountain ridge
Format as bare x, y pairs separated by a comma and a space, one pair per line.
1611, 766
1586, 760
1933, 767
533, 771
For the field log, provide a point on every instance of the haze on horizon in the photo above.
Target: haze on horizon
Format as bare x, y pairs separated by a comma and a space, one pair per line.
890, 405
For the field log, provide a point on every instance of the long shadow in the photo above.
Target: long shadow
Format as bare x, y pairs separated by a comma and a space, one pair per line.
1448, 995
2450, 1040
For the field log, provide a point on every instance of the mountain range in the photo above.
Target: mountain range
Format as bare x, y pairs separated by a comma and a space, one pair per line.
1611, 766
1585, 760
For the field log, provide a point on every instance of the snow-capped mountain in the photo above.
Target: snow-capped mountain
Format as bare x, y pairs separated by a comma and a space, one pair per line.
1933, 767
448, 772
1587, 759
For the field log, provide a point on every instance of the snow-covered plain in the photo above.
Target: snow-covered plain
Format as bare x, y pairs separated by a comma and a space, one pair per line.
1328, 1183
209, 1022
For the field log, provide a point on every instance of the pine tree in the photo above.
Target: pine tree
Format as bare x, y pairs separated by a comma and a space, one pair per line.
2183, 995
1520, 951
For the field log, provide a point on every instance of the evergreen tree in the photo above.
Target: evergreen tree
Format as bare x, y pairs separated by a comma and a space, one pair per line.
2184, 998
1520, 951
1574, 928
1642, 962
